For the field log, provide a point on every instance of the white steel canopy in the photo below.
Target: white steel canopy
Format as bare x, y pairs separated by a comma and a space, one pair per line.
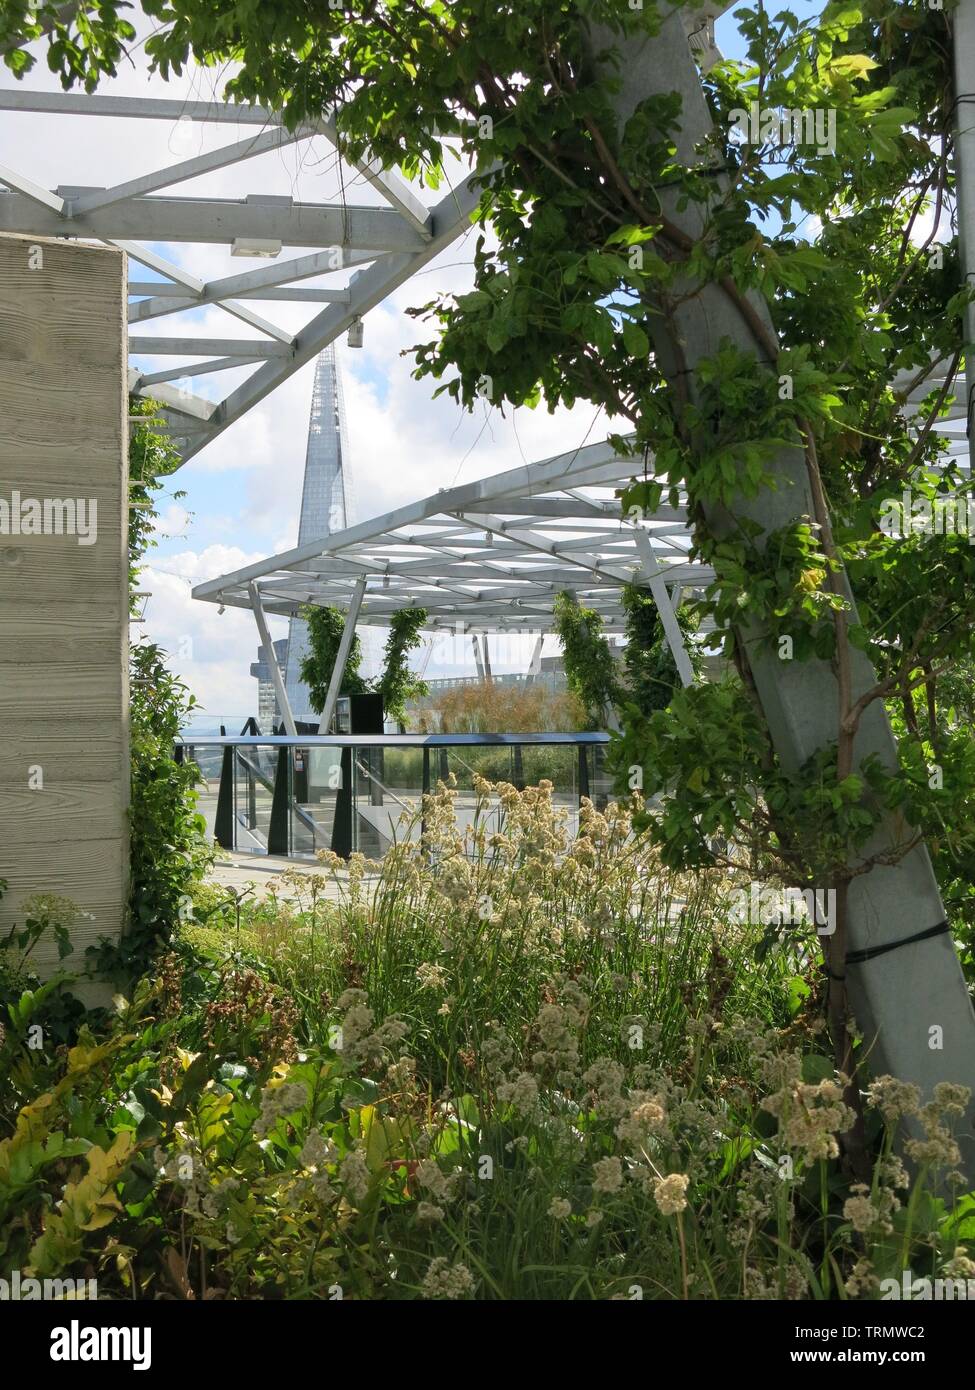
491, 555
390, 239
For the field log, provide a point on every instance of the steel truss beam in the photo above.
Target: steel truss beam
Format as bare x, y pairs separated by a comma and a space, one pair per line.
382, 244
492, 554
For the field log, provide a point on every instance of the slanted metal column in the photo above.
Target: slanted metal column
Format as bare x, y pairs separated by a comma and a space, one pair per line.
485, 656
535, 664
477, 656
658, 590
269, 658
906, 990
342, 656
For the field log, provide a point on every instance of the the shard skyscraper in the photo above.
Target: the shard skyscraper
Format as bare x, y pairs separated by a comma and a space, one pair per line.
326, 501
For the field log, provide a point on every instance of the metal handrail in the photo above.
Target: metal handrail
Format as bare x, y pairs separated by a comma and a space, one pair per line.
190, 740
382, 787
286, 810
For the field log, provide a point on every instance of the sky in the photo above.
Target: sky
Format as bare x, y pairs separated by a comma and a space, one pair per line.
242, 493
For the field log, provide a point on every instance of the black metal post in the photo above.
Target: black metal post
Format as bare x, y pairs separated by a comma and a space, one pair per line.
278, 831
583, 772
223, 828
342, 822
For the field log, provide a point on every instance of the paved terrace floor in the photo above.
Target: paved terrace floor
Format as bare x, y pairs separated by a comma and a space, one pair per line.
232, 869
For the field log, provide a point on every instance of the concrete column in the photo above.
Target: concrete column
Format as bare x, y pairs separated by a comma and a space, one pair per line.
64, 620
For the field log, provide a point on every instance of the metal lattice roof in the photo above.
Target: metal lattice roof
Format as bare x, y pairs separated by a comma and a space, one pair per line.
491, 554
383, 243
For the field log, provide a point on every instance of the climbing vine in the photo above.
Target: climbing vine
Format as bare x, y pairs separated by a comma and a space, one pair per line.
325, 628
398, 684
651, 672
590, 667
168, 850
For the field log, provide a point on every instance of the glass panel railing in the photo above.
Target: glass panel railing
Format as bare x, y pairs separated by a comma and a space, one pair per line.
253, 791
295, 796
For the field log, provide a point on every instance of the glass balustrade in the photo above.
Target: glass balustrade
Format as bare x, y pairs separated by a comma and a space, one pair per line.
295, 796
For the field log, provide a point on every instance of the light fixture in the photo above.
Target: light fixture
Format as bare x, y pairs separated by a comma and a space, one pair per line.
262, 247
354, 338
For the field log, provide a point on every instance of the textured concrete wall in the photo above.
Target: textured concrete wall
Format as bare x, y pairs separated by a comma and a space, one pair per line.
63, 591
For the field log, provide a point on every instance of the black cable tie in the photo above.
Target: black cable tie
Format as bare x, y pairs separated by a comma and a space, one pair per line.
869, 952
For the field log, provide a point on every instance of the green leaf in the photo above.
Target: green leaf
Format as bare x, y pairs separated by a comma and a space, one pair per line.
635, 339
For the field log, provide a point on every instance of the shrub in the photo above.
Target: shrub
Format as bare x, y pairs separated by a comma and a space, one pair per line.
497, 1066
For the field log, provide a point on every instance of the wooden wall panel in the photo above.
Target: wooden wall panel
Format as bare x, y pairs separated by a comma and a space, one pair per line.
64, 605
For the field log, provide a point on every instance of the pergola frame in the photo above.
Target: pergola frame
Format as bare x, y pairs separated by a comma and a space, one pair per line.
489, 556
493, 554
384, 245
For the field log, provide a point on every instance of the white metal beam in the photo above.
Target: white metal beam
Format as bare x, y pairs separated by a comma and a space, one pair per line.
208, 347
342, 656
271, 661
32, 191
535, 663
211, 221
186, 169
368, 288
219, 364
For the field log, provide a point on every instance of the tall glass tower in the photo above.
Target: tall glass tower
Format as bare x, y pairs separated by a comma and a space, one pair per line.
326, 501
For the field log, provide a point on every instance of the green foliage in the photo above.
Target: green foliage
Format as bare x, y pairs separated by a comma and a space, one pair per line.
35, 1018
590, 669
85, 40
577, 275
168, 850
398, 684
651, 672
167, 837
152, 459
325, 628
254, 1120
572, 285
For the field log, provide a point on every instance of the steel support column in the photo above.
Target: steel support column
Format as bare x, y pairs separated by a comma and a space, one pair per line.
270, 660
342, 656
668, 618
